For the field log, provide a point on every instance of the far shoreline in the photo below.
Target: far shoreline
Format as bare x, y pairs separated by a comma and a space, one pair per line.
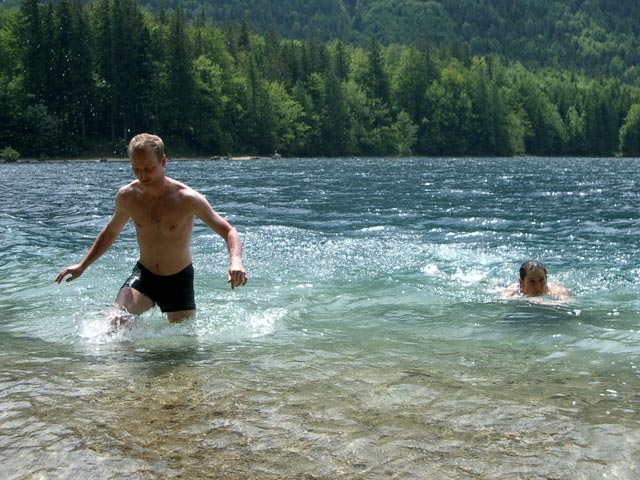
216, 158
126, 159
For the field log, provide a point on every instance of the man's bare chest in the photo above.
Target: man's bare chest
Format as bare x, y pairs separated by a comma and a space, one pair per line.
161, 217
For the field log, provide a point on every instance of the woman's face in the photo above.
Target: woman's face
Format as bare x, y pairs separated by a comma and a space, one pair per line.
534, 283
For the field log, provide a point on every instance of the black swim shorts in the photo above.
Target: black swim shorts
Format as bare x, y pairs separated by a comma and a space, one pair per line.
172, 293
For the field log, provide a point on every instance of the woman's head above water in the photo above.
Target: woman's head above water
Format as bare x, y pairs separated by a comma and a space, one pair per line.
533, 278
533, 283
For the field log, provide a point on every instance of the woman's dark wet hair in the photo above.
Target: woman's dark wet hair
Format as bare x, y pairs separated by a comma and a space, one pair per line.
531, 265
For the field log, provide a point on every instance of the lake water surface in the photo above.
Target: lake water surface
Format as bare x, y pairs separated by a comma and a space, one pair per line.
370, 342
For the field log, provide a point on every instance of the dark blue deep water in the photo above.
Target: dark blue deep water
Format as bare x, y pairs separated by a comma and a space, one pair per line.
371, 341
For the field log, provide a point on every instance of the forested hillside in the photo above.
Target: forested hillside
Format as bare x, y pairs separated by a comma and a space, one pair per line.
80, 79
597, 36
594, 36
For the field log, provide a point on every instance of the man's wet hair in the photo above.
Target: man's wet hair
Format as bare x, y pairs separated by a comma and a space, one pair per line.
144, 142
531, 265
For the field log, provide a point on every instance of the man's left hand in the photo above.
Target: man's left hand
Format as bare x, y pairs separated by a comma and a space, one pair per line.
237, 278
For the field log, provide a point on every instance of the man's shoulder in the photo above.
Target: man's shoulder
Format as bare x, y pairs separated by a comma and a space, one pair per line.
177, 184
183, 190
129, 189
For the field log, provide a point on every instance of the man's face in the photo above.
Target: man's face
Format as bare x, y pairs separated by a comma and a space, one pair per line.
146, 167
534, 283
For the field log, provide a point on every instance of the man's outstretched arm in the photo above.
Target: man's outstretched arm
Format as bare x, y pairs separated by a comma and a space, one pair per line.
236, 275
102, 243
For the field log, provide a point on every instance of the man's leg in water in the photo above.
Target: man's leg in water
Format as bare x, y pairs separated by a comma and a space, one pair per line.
132, 302
181, 316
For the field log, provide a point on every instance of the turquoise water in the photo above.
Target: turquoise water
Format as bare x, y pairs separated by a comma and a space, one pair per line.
370, 342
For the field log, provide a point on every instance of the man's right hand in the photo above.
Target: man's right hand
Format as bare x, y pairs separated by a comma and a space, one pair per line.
74, 271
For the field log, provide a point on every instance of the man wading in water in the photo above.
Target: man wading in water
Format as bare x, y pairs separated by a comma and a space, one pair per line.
163, 211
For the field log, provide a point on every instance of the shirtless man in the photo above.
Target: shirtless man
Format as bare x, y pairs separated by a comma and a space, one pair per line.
163, 211
533, 283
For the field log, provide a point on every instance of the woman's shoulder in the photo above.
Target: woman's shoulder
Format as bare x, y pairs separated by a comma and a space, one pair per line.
511, 290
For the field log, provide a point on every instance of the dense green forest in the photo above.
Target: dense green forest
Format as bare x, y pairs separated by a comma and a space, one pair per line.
81, 78
595, 36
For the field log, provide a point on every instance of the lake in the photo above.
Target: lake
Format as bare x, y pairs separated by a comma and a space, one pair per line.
370, 342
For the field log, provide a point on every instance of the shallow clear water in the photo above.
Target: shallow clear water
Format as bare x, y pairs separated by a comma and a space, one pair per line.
370, 342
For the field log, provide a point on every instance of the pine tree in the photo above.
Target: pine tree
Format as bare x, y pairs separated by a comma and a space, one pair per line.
130, 70
180, 78
378, 83
630, 132
35, 50
74, 71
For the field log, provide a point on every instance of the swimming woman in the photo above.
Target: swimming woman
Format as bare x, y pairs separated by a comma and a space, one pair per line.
533, 283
